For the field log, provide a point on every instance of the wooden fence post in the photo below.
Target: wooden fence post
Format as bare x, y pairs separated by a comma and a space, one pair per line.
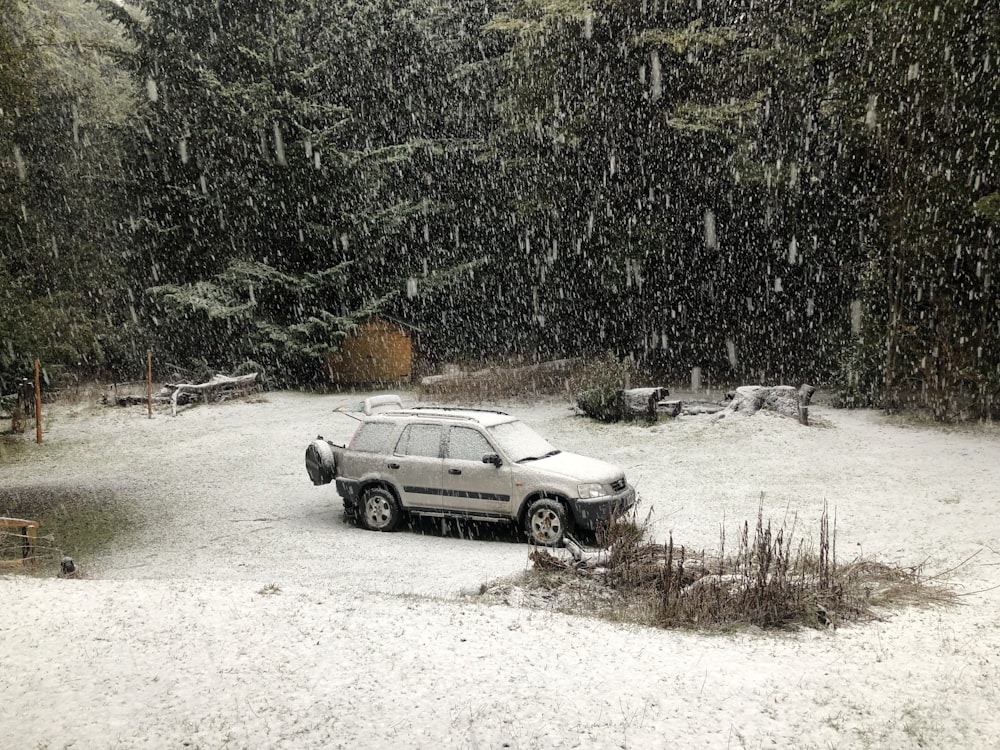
149, 382
38, 405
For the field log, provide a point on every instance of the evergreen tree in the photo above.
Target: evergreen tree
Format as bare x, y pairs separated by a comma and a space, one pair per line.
796, 208
750, 187
249, 183
919, 85
622, 120
419, 79
61, 117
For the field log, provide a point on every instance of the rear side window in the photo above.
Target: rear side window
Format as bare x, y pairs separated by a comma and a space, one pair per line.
373, 437
420, 440
467, 444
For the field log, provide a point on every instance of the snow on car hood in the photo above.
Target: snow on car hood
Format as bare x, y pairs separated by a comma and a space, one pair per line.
576, 467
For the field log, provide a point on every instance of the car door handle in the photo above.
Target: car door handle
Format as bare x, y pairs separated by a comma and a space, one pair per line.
454, 471
393, 466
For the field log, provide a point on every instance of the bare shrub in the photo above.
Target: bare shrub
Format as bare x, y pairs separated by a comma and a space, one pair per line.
768, 582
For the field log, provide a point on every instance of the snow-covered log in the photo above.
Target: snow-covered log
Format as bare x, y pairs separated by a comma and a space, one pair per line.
589, 559
623, 405
218, 388
730, 584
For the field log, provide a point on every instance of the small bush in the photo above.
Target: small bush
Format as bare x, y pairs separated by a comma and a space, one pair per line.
599, 390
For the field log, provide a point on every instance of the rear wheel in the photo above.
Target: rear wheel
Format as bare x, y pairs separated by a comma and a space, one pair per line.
379, 510
546, 523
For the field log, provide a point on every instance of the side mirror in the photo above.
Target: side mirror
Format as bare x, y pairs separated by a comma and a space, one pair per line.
493, 458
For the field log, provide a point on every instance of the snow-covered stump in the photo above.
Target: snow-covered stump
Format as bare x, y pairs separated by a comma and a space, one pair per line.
806, 392
643, 401
670, 408
782, 399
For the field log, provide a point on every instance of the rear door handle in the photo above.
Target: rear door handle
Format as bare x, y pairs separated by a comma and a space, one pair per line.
393, 466
454, 471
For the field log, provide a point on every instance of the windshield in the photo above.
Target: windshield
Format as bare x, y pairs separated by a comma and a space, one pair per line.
520, 442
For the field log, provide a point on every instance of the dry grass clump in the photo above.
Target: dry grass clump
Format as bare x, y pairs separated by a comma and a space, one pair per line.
768, 582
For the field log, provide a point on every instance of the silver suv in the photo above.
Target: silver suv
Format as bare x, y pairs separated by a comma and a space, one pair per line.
472, 464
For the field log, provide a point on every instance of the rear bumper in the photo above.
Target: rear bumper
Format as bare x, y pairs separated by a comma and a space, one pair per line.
349, 489
589, 513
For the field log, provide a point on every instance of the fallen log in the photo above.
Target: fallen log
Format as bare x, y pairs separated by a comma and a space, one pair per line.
624, 405
218, 388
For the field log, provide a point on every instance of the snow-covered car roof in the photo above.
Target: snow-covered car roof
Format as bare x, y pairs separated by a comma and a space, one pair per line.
391, 406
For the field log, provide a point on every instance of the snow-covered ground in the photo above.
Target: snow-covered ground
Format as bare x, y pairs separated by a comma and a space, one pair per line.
244, 613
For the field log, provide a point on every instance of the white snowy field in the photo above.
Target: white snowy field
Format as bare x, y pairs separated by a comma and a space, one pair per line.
243, 612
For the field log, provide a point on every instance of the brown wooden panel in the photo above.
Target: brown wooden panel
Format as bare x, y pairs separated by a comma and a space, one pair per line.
379, 351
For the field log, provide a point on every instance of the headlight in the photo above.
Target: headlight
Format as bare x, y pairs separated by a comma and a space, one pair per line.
591, 490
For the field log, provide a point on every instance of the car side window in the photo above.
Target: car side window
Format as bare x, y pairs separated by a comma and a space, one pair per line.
373, 437
420, 440
467, 444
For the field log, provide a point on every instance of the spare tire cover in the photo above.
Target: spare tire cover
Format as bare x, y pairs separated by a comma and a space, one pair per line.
321, 464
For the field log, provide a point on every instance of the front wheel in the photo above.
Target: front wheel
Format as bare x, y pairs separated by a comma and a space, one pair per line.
546, 524
379, 510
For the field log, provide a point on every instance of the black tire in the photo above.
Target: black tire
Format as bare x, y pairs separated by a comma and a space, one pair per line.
546, 523
379, 510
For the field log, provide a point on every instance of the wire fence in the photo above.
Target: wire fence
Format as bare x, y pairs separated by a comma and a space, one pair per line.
18, 543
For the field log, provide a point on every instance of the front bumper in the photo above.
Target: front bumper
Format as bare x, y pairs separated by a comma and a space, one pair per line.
590, 512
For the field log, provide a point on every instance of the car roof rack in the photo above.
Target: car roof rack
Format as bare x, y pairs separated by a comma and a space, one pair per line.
459, 408
409, 413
